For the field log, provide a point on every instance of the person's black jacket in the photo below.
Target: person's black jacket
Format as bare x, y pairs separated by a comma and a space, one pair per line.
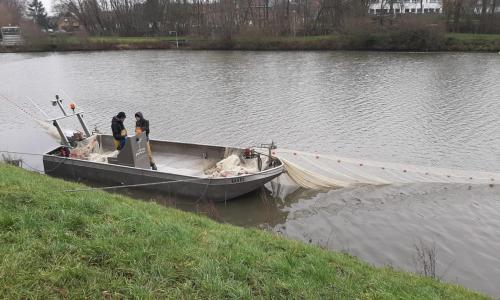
117, 127
142, 123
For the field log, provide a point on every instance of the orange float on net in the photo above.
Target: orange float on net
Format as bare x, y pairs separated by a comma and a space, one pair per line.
72, 106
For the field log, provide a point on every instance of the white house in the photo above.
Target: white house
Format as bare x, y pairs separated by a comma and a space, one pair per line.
406, 6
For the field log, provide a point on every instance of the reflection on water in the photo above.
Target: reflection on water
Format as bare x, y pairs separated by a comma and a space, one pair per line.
256, 209
384, 225
425, 109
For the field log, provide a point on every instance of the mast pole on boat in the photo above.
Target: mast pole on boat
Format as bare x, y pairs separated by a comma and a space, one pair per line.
55, 121
59, 103
84, 126
79, 115
64, 139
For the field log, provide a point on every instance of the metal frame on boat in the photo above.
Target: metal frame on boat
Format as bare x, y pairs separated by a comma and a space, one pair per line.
131, 167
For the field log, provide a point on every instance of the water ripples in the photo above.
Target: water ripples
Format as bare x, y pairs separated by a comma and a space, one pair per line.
429, 109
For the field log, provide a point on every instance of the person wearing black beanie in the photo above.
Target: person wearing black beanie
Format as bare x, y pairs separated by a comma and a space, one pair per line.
119, 131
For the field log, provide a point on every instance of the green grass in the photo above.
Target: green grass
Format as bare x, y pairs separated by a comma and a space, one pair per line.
298, 38
99, 245
474, 37
385, 41
473, 42
92, 43
404, 40
131, 40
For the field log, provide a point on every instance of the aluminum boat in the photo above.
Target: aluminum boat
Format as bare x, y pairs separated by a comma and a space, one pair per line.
188, 170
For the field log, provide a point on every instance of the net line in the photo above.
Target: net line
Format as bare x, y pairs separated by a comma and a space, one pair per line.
322, 171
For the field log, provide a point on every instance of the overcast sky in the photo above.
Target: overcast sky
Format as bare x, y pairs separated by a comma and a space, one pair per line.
48, 5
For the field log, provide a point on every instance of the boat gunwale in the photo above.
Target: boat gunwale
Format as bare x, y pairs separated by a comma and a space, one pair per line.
220, 180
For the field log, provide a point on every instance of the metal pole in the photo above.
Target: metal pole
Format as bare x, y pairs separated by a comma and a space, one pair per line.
84, 126
63, 137
59, 102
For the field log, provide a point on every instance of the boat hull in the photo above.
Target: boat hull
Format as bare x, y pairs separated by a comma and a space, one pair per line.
213, 189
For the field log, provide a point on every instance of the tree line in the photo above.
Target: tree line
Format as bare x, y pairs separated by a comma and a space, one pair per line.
226, 18
472, 15
212, 17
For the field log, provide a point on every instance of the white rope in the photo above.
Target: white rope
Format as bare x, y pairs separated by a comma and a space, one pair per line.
134, 185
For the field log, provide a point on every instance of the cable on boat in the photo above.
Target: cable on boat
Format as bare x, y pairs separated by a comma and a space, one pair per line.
30, 114
31, 167
20, 153
38, 107
137, 185
44, 125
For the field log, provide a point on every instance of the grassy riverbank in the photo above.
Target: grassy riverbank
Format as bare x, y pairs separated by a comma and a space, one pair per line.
95, 244
391, 41
416, 40
76, 43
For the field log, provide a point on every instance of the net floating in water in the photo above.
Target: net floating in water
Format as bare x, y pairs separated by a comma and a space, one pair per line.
318, 171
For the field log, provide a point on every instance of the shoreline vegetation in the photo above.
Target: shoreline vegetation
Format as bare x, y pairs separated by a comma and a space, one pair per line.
102, 245
405, 40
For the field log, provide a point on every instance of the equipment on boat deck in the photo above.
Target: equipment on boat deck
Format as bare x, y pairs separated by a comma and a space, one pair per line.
55, 121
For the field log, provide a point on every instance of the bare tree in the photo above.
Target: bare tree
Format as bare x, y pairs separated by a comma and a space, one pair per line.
11, 11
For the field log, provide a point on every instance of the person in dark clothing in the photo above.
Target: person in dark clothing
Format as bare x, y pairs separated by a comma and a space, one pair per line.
119, 131
142, 125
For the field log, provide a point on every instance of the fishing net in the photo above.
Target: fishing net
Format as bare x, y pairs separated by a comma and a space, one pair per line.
318, 171
234, 165
89, 149
50, 129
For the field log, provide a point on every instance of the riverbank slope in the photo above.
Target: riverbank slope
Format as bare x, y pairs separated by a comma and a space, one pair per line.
56, 243
391, 41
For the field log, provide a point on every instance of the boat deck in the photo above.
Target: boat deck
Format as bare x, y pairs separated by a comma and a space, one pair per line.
172, 158
182, 164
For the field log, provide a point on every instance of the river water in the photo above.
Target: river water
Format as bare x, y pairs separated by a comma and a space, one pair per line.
427, 109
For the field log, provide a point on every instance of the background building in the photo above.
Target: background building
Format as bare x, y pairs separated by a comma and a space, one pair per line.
406, 6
